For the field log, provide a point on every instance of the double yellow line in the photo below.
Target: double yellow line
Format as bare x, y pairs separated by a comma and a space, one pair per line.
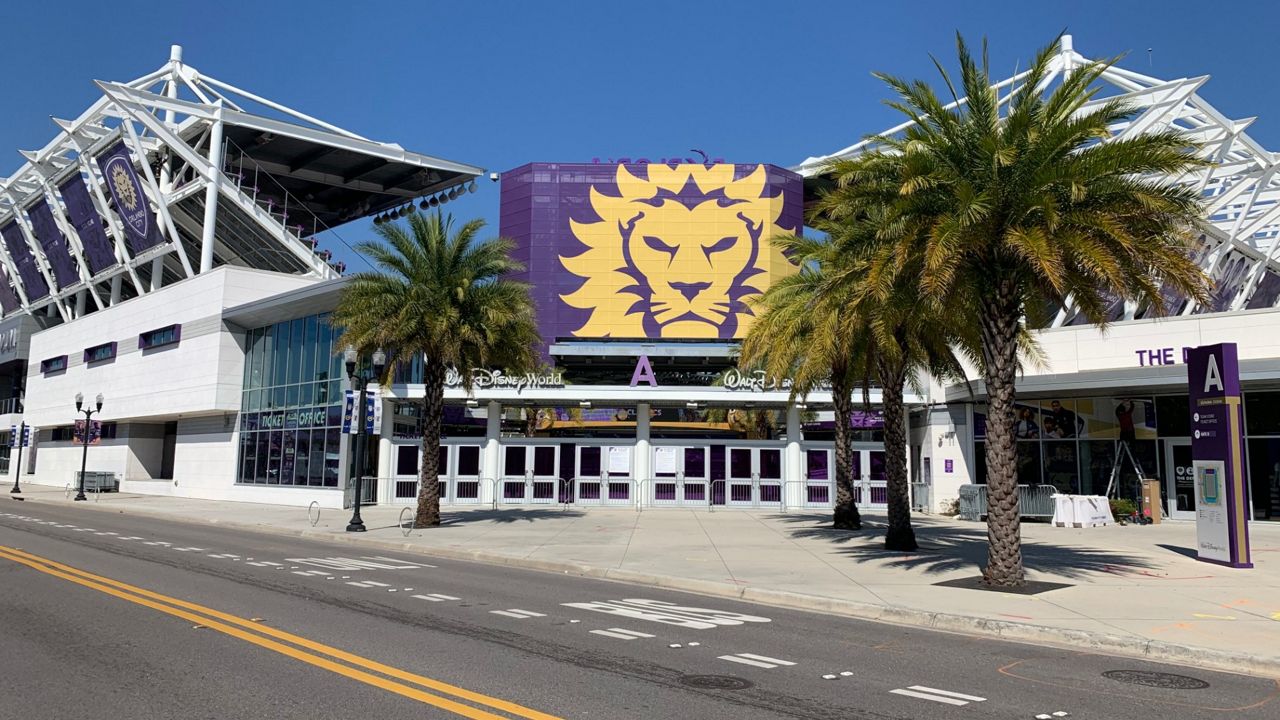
323, 656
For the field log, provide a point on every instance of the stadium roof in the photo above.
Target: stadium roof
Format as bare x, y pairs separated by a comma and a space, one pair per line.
224, 176
1241, 189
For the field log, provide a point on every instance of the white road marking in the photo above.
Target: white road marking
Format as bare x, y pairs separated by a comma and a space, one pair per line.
375, 562
621, 634
517, 613
669, 613
936, 695
846, 673
433, 597
761, 661
694, 644
1046, 716
189, 549
830, 677
371, 583
128, 537
359, 584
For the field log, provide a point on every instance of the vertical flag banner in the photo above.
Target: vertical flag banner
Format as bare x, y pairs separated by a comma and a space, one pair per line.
95, 433
1217, 450
131, 202
9, 300
348, 412
373, 411
84, 217
13, 436
54, 244
16, 243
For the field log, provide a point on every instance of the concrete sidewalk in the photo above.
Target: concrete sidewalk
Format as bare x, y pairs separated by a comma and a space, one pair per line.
1130, 590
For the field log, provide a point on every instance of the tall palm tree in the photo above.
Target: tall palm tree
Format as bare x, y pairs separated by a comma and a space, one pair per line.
443, 296
806, 332
1037, 209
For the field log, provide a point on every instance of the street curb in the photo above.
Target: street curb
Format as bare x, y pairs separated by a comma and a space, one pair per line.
1102, 643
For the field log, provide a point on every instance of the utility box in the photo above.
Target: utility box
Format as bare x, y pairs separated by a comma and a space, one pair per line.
1151, 500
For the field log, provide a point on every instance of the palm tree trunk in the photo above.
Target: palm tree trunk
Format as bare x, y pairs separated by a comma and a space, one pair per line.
900, 536
846, 512
428, 514
1000, 317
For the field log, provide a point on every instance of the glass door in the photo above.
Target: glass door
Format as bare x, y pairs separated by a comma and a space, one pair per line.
1179, 481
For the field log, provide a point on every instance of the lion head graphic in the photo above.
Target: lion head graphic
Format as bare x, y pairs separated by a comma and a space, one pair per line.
123, 186
676, 253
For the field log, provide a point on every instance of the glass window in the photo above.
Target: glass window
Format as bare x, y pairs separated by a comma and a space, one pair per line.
1058, 419
268, 354
1061, 466
1026, 425
273, 461
544, 461
263, 455
695, 462
1123, 418
771, 464
301, 454
1029, 463
333, 443
316, 466
514, 462
589, 462
877, 464
246, 457
817, 463
296, 331
1173, 416
1262, 413
407, 460
291, 396
309, 350
739, 463
1264, 477
980, 463
469, 460
280, 360
323, 350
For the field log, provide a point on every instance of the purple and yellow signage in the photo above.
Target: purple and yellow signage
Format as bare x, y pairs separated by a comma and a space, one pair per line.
649, 251
131, 202
1217, 449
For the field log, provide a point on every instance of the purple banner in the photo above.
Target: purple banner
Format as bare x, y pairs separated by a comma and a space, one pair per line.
32, 280
1217, 450
9, 300
84, 217
131, 202
649, 250
54, 244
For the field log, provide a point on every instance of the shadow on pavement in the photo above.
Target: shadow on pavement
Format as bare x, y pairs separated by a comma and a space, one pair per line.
506, 516
1184, 551
946, 548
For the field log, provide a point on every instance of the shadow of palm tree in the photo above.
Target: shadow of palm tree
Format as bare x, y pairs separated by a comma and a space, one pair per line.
507, 516
946, 547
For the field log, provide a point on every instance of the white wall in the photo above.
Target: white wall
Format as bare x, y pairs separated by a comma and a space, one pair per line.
198, 377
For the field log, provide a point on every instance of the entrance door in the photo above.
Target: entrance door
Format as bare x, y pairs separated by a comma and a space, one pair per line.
754, 476
529, 473
603, 474
680, 475
1179, 481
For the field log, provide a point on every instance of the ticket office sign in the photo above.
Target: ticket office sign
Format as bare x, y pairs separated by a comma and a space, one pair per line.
1217, 449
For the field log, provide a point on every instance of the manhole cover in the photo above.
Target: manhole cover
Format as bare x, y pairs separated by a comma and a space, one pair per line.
715, 682
1165, 681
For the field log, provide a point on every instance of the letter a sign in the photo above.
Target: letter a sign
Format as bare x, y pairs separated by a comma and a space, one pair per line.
1217, 451
644, 373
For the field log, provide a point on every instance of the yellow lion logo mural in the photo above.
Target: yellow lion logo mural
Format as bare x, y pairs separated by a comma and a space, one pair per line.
676, 254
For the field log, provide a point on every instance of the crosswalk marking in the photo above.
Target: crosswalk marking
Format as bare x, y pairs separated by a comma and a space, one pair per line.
622, 634
760, 661
435, 597
941, 696
517, 613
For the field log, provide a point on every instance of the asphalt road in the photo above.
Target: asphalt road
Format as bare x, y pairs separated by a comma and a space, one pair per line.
105, 615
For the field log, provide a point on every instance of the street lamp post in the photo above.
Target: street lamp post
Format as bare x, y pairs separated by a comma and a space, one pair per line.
84, 437
359, 381
17, 476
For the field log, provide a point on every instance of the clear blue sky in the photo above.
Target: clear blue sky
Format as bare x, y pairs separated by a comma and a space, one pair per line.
500, 84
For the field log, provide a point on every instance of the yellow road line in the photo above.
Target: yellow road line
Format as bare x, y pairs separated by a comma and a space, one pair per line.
149, 599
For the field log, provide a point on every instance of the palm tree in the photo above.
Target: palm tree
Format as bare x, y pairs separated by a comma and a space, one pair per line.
1039, 209
442, 296
805, 332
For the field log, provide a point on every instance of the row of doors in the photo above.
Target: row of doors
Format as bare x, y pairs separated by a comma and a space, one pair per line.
689, 474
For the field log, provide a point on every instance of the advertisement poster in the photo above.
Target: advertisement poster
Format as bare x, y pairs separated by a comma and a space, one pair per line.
619, 460
664, 461
95, 432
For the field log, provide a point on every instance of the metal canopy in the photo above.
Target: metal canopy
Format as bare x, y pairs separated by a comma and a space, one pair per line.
231, 178
1240, 188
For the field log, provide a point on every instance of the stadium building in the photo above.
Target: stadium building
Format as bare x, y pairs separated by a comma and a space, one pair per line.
165, 250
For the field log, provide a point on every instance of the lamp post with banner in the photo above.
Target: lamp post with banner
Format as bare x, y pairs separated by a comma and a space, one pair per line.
86, 435
19, 436
360, 414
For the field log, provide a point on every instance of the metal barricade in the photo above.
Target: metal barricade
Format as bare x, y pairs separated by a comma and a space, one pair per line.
97, 481
921, 497
1034, 501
